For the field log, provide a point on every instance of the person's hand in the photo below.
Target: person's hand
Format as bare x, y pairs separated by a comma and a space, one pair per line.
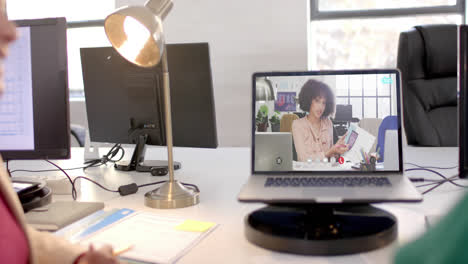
341, 141
102, 255
340, 148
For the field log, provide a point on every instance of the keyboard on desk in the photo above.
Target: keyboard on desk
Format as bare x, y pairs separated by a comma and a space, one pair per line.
361, 181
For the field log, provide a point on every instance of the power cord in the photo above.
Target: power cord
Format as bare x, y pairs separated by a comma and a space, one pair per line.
50, 170
431, 167
107, 157
91, 163
69, 178
123, 189
419, 167
436, 183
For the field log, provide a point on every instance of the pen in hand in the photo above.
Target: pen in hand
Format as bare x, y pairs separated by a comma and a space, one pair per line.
121, 250
104, 255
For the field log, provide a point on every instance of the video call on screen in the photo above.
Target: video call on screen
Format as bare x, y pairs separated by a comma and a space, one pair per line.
326, 122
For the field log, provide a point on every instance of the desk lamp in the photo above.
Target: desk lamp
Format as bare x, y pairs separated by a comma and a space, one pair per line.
136, 32
264, 90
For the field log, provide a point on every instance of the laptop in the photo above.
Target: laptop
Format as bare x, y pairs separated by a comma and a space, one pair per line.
321, 174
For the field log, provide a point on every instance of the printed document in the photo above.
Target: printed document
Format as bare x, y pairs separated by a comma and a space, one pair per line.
154, 239
358, 140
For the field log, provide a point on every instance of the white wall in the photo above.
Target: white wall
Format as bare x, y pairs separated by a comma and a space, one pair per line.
245, 36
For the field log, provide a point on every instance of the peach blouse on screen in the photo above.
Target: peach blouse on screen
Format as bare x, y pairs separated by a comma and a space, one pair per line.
308, 144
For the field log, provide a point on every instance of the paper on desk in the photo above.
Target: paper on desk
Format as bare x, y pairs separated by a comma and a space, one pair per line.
155, 239
364, 141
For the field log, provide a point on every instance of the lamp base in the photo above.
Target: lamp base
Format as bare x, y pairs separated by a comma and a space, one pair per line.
171, 195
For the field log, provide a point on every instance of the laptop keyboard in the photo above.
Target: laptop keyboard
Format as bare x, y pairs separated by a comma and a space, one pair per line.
327, 181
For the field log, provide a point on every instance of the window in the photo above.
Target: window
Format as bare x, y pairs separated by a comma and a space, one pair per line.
340, 5
347, 34
367, 101
85, 27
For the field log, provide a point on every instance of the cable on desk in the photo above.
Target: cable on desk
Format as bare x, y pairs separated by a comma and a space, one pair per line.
453, 178
129, 188
149, 184
73, 182
438, 173
431, 167
412, 179
419, 167
93, 181
123, 189
438, 183
194, 187
50, 170
107, 157
69, 178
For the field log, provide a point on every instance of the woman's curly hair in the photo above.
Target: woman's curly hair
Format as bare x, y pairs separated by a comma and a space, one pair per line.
313, 89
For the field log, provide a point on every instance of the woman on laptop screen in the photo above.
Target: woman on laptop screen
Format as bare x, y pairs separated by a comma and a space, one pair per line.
313, 134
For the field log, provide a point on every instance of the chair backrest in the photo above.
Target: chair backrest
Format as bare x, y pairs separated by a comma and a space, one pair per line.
427, 59
79, 133
286, 126
286, 122
344, 113
388, 123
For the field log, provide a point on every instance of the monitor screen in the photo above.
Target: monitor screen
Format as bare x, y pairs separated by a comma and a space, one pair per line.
124, 100
309, 138
34, 111
463, 100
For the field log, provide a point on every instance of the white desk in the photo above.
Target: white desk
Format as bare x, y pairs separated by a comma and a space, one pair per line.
220, 173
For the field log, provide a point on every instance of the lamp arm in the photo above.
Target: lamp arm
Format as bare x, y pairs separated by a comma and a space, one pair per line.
168, 116
160, 7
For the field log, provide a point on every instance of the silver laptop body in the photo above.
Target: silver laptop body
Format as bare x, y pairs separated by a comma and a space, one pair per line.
326, 181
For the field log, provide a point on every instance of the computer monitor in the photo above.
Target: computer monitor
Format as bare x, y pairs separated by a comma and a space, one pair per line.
34, 110
124, 102
463, 100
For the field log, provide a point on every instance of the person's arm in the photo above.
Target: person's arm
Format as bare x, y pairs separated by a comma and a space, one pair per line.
48, 248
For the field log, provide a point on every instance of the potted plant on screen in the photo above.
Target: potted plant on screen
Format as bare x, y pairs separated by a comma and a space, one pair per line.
262, 119
275, 122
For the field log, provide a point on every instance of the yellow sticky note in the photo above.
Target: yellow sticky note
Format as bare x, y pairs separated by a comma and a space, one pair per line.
194, 226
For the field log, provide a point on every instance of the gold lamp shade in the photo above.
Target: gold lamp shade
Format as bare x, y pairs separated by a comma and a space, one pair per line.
137, 34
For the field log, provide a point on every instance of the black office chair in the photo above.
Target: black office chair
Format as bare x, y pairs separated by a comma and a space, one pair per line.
427, 59
342, 121
79, 133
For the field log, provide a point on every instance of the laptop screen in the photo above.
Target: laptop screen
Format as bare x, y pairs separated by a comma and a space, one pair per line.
297, 125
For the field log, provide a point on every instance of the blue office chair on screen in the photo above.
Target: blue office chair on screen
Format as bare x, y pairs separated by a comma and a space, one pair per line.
388, 123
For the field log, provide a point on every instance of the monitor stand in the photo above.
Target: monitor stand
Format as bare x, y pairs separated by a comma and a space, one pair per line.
138, 163
321, 229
